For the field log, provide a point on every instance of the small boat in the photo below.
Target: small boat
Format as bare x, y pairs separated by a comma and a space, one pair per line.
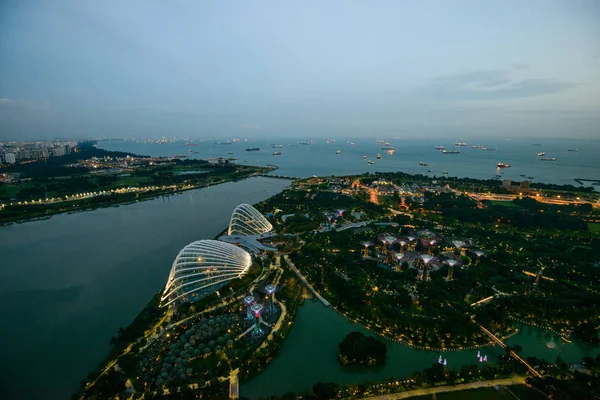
445, 172
371, 162
450, 151
439, 147
230, 152
478, 147
331, 141
574, 150
530, 177
391, 151
277, 146
422, 164
252, 149
378, 156
541, 154
337, 152
547, 159
351, 143
365, 157
502, 165
276, 153
460, 144
380, 141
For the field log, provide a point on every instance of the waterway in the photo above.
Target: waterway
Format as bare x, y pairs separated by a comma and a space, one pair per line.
320, 158
69, 282
309, 355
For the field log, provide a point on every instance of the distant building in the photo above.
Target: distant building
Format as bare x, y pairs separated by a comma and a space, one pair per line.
10, 158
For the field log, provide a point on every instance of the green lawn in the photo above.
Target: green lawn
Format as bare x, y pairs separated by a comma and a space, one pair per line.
521, 391
594, 227
502, 203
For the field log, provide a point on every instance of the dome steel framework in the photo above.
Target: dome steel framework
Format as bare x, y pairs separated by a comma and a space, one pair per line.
201, 268
247, 221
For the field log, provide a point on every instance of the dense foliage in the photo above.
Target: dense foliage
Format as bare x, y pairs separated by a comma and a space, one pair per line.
358, 349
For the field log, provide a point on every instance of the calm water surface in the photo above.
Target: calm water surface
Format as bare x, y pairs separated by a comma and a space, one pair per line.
69, 282
320, 158
309, 355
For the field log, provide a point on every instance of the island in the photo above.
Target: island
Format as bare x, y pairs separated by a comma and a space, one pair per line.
358, 349
433, 263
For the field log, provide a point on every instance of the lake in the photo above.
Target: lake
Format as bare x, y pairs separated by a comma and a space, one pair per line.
309, 355
69, 282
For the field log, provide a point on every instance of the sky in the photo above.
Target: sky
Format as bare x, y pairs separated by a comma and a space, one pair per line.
153, 68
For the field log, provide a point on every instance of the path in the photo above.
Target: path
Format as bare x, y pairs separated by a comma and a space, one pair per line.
308, 285
515, 380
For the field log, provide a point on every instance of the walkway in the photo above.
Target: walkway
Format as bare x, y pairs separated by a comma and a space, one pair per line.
512, 353
515, 380
308, 285
234, 385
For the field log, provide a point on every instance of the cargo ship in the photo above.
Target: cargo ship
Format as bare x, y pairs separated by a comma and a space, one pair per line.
478, 147
381, 141
450, 151
253, 149
387, 148
277, 146
222, 143
439, 147
276, 153
460, 144
574, 150
547, 158
502, 165
191, 144
422, 164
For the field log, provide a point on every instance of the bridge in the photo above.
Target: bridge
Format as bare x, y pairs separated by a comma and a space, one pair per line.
292, 178
308, 285
234, 385
512, 353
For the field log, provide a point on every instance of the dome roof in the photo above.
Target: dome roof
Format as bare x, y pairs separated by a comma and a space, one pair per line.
201, 268
247, 221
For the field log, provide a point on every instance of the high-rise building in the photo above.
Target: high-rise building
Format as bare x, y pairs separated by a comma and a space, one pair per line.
10, 158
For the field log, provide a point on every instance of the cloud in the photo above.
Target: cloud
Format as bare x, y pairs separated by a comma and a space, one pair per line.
491, 85
520, 66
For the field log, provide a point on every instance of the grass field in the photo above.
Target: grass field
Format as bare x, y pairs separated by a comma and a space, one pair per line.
594, 227
520, 391
503, 203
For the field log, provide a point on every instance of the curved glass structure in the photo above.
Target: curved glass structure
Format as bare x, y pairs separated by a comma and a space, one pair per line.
203, 267
247, 221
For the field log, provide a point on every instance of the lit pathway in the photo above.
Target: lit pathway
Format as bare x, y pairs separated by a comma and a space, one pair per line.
303, 279
512, 353
515, 380
234, 385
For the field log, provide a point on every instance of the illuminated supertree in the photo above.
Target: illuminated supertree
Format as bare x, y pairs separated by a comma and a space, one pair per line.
478, 253
270, 289
458, 244
402, 244
398, 257
256, 310
248, 300
388, 241
340, 213
411, 242
426, 259
432, 244
451, 264
366, 246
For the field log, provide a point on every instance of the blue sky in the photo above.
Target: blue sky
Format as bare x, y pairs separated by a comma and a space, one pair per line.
315, 68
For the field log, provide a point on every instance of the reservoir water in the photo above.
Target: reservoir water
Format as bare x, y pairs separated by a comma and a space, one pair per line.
309, 355
69, 282
320, 158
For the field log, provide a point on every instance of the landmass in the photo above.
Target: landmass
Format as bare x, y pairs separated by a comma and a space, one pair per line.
421, 261
90, 178
358, 349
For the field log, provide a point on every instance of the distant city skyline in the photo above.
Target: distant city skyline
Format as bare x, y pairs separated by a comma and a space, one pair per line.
145, 69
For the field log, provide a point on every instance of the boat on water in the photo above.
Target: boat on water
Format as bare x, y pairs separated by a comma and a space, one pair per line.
478, 146
378, 156
547, 158
331, 141
371, 162
277, 146
387, 148
523, 175
365, 157
574, 150
230, 152
460, 144
422, 164
391, 151
223, 143
439, 147
541, 154
337, 151
276, 153
445, 172
380, 141
503, 165
450, 151
490, 149
253, 149
191, 144
192, 152
351, 143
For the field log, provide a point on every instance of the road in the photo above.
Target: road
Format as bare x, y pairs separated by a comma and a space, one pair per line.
515, 380
308, 285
